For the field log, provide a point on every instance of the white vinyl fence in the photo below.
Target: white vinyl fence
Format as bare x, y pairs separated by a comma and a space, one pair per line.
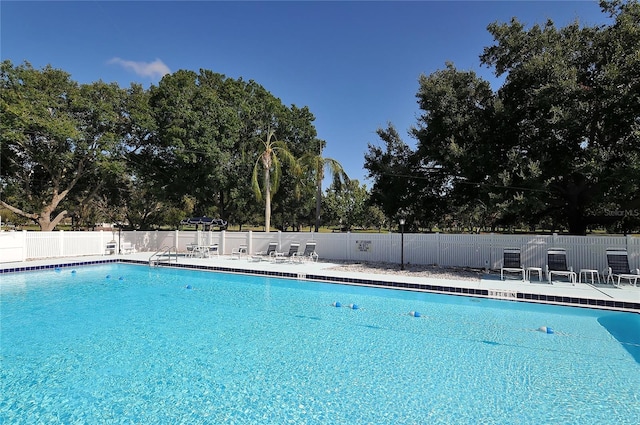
455, 250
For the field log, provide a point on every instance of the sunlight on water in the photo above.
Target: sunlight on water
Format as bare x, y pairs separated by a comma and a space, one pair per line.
131, 344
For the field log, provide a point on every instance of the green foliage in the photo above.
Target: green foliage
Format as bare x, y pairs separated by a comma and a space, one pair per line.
315, 165
54, 133
557, 144
346, 205
271, 153
101, 153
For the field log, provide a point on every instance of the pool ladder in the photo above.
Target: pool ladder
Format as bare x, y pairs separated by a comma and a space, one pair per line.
164, 256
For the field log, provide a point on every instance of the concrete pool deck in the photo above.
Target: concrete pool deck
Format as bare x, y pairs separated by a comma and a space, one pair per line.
601, 296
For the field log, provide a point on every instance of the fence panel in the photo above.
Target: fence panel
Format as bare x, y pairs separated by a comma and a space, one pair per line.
462, 251
452, 250
150, 241
44, 245
12, 246
233, 240
633, 248
84, 243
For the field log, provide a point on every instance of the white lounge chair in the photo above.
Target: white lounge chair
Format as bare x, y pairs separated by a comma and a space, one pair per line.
271, 250
238, 253
286, 256
511, 262
618, 262
192, 250
557, 264
308, 254
210, 250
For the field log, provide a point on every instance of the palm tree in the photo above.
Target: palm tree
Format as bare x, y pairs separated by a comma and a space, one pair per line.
269, 161
317, 165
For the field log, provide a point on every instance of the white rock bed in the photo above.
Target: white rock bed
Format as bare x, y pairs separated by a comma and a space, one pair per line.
430, 271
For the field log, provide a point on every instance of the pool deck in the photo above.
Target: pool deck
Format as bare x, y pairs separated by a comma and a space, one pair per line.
600, 296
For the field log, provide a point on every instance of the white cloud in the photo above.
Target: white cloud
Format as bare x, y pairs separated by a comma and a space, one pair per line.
155, 69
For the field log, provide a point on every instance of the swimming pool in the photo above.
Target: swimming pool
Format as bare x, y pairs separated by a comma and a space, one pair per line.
141, 347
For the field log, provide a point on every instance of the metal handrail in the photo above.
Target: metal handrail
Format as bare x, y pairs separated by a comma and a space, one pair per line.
163, 253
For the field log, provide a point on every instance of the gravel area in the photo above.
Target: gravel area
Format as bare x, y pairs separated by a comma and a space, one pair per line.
413, 270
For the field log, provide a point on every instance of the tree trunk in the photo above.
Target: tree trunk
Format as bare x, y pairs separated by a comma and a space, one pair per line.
267, 201
318, 204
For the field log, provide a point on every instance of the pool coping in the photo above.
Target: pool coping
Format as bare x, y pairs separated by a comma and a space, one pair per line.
458, 288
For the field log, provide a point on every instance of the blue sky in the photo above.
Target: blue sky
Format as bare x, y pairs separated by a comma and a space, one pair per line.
355, 64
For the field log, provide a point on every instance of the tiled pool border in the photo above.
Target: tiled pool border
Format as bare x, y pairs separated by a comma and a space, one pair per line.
423, 287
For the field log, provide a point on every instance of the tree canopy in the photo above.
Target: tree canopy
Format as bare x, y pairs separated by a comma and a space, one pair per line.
555, 147
147, 156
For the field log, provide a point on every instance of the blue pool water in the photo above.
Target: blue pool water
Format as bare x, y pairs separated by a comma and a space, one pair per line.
84, 348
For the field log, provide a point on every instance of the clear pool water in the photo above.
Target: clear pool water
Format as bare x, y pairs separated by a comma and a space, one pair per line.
81, 348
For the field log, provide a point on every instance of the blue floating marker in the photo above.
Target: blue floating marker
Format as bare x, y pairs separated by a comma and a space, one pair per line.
57, 269
73, 272
414, 313
188, 287
353, 306
545, 329
121, 278
337, 304
108, 276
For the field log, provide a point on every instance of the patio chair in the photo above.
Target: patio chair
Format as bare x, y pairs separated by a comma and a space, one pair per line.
111, 247
271, 250
286, 256
618, 266
557, 264
192, 250
213, 249
239, 252
511, 262
308, 254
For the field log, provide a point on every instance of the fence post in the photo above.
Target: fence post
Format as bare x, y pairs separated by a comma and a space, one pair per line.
438, 249
24, 245
348, 244
249, 242
488, 262
61, 237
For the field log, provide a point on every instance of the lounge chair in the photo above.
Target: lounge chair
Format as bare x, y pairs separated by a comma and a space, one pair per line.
618, 262
308, 254
511, 262
239, 252
271, 250
210, 250
286, 256
557, 264
192, 250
